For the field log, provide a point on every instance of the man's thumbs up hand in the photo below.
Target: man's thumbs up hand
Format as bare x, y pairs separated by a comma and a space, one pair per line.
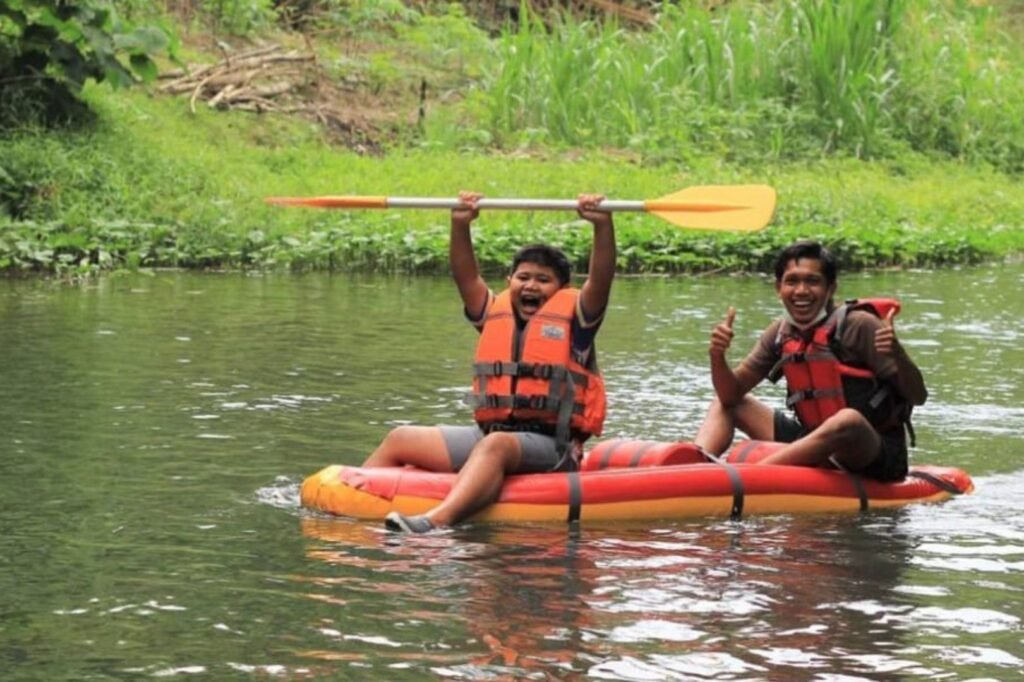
885, 336
721, 335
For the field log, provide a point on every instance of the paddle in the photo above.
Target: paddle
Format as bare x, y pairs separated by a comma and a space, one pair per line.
710, 207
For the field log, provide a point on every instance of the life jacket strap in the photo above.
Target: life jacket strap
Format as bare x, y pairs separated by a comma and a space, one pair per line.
812, 354
563, 424
811, 394
563, 405
534, 370
518, 427
508, 369
541, 403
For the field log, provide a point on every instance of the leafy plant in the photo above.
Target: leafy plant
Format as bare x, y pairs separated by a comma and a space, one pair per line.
50, 48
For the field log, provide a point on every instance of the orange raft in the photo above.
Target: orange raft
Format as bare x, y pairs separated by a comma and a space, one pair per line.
637, 480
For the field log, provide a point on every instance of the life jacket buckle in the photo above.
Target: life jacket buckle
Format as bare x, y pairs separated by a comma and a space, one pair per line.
497, 369
492, 401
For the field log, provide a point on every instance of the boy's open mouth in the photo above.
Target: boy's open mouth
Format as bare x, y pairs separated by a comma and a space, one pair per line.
529, 302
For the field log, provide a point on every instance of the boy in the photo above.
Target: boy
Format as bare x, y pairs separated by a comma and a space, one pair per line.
537, 391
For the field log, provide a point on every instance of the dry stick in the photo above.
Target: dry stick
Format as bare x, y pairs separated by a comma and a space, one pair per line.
257, 104
218, 80
264, 61
183, 76
273, 89
225, 72
249, 94
195, 94
230, 82
212, 102
251, 54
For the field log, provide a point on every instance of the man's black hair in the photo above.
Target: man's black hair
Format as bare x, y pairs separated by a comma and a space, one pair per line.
807, 249
547, 256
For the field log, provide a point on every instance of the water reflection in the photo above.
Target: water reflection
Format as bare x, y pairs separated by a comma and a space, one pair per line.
711, 601
897, 594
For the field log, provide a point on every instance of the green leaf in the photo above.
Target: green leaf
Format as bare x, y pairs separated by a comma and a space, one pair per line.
145, 39
46, 17
144, 67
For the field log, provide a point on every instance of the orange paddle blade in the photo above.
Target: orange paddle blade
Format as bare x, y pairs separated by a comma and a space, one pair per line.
717, 207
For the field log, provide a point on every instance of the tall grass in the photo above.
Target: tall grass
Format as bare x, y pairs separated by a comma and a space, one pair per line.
962, 89
806, 76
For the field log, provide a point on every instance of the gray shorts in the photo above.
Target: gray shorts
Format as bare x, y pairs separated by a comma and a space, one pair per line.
539, 452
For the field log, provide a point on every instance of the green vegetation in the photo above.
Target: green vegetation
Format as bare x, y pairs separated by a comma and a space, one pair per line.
768, 81
50, 48
894, 131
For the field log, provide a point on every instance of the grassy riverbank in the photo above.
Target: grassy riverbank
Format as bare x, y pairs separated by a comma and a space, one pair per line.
151, 184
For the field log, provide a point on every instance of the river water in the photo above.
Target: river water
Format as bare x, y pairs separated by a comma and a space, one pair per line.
154, 430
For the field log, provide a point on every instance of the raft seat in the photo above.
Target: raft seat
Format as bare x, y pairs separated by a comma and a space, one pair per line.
623, 453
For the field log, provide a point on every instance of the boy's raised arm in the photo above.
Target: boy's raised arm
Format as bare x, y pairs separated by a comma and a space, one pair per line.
461, 257
596, 290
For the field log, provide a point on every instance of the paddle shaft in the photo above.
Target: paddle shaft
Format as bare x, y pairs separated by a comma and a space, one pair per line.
513, 204
608, 205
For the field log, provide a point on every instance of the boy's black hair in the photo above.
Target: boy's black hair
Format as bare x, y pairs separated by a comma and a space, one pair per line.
548, 256
806, 248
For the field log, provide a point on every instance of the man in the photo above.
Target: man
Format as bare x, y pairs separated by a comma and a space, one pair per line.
537, 391
849, 380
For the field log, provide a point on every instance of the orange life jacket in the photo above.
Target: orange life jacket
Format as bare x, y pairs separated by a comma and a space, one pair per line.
819, 383
532, 376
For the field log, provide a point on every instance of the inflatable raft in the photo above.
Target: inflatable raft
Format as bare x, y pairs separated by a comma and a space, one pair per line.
637, 480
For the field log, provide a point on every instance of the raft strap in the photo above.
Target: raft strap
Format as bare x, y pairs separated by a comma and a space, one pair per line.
734, 479
936, 481
858, 483
575, 497
740, 455
606, 456
634, 461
